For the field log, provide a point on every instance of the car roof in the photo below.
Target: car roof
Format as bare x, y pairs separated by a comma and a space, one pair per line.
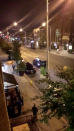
37, 59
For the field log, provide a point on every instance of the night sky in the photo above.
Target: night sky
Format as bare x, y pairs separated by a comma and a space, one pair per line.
14, 10
33, 12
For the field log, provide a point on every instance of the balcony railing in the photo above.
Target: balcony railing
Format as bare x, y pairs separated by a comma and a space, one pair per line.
20, 120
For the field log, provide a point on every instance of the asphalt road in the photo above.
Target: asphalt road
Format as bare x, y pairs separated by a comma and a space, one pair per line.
54, 60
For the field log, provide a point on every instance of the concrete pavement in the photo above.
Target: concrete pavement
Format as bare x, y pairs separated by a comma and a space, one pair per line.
29, 91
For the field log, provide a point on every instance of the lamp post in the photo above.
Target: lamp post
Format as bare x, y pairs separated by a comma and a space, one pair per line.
71, 38
21, 30
47, 34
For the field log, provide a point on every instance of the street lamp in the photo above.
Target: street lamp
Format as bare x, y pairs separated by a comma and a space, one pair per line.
15, 23
0, 32
44, 24
20, 29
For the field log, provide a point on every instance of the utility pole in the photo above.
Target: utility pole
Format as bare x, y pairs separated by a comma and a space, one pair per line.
47, 32
72, 23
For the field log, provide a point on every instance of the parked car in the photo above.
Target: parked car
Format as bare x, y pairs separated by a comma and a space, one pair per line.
38, 63
43, 63
30, 69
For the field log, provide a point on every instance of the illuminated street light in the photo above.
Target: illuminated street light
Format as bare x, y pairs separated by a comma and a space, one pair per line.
0, 32
43, 24
20, 29
15, 24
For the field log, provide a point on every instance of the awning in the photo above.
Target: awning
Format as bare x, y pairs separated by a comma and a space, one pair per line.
9, 78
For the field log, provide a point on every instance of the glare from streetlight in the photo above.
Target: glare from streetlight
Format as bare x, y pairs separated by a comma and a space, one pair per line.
21, 30
15, 23
0, 32
44, 24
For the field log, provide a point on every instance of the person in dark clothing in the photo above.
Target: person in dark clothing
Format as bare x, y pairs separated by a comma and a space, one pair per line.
18, 103
11, 111
34, 110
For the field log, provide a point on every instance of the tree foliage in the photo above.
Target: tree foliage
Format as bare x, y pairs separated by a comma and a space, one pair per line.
5, 46
58, 98
16, 51
21, 66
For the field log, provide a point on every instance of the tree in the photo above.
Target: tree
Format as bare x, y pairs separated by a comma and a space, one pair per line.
5, 46
21, 67
16, 51
58, 98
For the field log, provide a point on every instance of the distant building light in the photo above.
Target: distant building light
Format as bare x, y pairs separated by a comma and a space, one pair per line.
15, 38
32, 41
70, 47
37, 44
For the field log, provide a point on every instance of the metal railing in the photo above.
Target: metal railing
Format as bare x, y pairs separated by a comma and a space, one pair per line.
20, 120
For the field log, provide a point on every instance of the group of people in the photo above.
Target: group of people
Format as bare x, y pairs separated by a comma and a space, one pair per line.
14, 108
14, 105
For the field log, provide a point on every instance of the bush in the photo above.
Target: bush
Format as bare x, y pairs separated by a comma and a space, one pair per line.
21, 66
5, 46
16, 51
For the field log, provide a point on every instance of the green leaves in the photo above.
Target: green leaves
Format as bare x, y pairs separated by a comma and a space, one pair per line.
16, 51
21, 66
58, 98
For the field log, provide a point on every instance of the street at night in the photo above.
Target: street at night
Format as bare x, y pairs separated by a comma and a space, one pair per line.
37, 65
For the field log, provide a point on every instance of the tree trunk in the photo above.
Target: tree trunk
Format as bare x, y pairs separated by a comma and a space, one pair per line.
4, 121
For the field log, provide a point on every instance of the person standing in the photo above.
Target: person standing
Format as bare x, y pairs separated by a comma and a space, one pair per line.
34, 110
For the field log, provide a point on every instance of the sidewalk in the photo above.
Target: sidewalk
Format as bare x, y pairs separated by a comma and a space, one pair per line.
29, 91
59, 52
62, 53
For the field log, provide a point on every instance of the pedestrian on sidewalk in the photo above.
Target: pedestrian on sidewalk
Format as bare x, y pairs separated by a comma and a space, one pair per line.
34, 110
19, 105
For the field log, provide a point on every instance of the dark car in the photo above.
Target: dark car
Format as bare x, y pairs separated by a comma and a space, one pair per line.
38, 63
43, 63
30, 69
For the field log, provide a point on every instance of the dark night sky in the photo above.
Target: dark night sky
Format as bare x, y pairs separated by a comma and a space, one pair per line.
14, 10
33, 11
